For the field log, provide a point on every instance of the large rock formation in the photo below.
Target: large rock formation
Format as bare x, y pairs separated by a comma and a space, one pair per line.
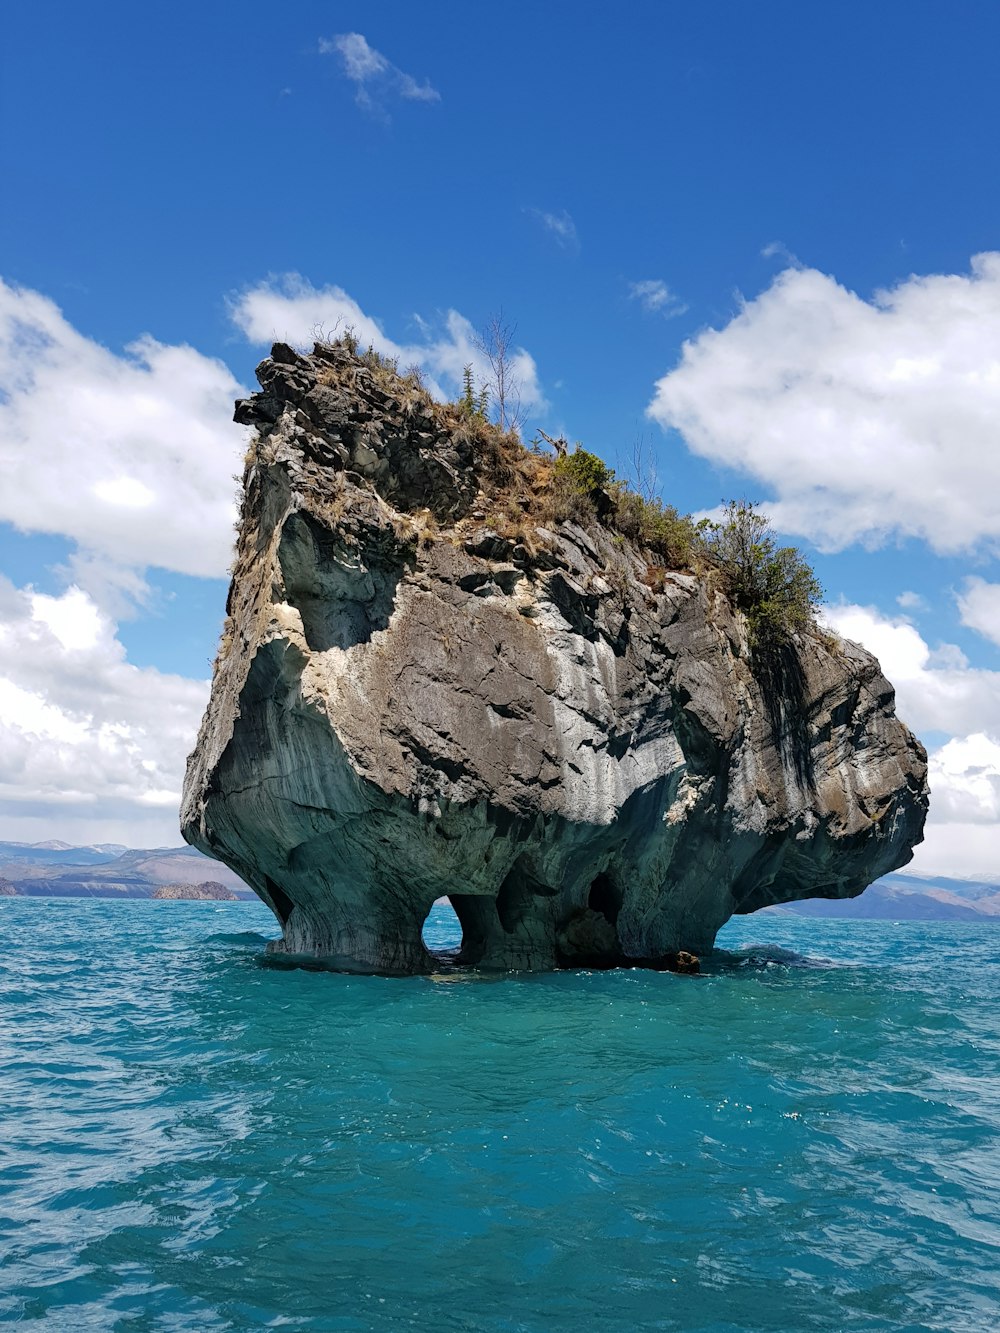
417, 695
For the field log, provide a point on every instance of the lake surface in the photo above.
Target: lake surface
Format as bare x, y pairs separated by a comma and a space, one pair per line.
806, 1138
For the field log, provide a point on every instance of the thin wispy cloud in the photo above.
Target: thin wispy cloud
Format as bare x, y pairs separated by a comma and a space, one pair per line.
376, 79
779, 250
655, 296
559, 225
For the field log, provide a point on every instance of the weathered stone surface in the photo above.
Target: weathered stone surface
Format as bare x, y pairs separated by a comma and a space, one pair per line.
406, 705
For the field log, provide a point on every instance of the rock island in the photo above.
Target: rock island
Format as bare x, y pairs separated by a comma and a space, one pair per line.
457, 666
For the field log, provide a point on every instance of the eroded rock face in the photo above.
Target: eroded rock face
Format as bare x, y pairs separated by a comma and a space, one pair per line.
409, 703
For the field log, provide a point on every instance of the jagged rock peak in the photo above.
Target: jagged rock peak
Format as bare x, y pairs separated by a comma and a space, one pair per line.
433, 682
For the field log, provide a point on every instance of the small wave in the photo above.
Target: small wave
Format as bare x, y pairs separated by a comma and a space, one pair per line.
248, 939
763, 956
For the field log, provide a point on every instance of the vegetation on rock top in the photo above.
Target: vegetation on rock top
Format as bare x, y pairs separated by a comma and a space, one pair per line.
528, 486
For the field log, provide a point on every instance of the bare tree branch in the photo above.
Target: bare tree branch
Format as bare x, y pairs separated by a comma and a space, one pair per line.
496, 342
643, 469
560, 445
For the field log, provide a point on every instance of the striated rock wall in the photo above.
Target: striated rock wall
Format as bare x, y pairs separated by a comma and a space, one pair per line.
411, 702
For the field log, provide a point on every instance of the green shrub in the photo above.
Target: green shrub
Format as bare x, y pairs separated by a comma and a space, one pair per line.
773, 585
565, 503
579, 480
376, 361
655, 525
473, 402
584, 472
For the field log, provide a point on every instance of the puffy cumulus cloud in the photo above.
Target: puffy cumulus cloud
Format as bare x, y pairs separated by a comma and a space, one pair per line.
865, 418
86, 738
936, 690
291, 309
979, 607
130, 456
375, 78
939, 691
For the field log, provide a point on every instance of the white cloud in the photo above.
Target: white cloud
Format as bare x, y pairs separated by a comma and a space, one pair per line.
911, 601
120, 591
979, 607
655, 296
85, 737
291, 309
126, 492
72, 618
374, 77
965, 780
560, 225
959, 851
866, 418
936, 690
963, 829
939, 691
779, 250
130, 456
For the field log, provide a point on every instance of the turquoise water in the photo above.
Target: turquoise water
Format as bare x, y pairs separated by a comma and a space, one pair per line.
806, 1138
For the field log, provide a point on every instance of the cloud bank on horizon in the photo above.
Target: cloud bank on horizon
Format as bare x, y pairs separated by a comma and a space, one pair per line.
131, 457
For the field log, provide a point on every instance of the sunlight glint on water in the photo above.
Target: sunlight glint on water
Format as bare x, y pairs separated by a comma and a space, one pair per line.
808, 1137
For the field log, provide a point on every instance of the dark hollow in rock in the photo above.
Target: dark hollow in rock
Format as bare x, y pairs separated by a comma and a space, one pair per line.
409, 704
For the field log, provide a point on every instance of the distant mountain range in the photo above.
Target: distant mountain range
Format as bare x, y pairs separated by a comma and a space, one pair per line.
109, 870
909, 898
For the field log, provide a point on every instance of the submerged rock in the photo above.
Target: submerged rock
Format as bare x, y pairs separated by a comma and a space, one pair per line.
418, 695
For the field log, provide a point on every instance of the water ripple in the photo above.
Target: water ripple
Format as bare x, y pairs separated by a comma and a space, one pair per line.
806, 1137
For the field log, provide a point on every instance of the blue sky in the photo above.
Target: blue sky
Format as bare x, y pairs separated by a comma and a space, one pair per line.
745, 231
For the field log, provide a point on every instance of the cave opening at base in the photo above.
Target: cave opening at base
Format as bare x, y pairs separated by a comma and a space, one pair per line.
605, 897
442, 931
283, 905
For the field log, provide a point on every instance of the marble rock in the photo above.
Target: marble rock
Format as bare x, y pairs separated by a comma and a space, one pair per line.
408, 704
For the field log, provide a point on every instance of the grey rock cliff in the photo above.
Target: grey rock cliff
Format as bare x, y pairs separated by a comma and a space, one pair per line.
410, 702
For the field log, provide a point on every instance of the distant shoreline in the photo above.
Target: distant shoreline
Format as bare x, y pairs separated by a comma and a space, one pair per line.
114, 873
144, 894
